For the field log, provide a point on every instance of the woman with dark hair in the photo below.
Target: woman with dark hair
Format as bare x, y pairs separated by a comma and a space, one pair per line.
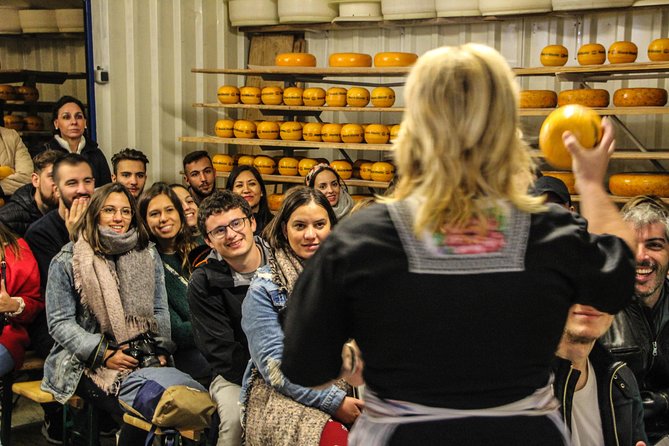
301, 225
165, 221
189, 206
324, 178
69, 122
247, 182
106, 289
20, 299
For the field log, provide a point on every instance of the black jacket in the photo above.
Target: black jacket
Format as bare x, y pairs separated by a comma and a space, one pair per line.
93, 155
634, 338
620, 405
216, 314
21, 210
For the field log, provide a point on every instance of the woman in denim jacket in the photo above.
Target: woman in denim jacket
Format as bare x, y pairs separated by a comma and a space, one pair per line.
303, 222
105, 288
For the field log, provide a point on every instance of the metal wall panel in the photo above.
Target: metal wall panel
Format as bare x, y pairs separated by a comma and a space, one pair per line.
149, 48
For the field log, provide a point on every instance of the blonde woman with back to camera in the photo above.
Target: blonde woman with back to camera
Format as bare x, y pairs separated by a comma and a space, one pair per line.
457, 288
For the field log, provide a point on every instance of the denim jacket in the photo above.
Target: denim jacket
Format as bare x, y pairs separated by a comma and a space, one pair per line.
260, 321
78, 341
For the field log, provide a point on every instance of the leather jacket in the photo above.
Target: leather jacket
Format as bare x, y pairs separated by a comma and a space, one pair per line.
634, 339
618, 396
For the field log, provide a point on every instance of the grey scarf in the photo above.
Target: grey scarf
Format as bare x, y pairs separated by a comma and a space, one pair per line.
344, 204
118, 289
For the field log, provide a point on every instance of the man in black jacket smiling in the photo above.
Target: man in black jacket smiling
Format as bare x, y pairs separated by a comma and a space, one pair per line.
639, 334
599, 396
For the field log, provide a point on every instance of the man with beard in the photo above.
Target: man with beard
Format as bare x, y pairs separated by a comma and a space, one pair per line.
73, 185
639, 334
599, 396
199, 174
31, 201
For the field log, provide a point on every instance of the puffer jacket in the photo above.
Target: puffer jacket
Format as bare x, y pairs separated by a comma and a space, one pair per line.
618, 396
21, 211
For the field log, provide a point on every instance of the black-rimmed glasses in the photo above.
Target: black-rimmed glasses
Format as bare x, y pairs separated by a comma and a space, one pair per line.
236, 225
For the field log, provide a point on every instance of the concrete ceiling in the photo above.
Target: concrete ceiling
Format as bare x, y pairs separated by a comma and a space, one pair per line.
43, 4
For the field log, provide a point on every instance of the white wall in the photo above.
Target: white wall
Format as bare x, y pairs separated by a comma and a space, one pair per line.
149, 48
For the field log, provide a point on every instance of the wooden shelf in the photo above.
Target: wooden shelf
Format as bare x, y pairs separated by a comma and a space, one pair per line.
286, 109
617, 111
255, 70
281, 144
31, 77
626, 155
615, 198
300, 180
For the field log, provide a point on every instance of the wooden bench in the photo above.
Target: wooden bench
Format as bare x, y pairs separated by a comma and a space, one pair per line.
146, 426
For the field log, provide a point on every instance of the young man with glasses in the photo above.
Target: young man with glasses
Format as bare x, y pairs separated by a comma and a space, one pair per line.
215, 293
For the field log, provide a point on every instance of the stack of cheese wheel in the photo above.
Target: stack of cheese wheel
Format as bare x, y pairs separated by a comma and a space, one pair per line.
395, 59
640, 97
566, 177
589, 97
350, 60
633, 184
538, 99
658, 50
295, 60
554, 56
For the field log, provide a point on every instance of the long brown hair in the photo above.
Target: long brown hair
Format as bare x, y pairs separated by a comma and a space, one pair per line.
8, 239
87, 226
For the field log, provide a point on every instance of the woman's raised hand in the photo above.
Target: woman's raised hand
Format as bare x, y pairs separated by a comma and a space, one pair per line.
589, 165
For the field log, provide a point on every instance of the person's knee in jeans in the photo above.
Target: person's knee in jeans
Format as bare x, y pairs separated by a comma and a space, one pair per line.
226, 396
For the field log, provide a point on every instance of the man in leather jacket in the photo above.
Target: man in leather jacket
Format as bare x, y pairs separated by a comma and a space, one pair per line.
599, 396
639, 334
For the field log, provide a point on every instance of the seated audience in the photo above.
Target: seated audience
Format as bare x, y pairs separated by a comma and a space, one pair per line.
302, 224
105, 289
164, 218
20, 299
15, 155
199, 174
324, 178
639, 334
215, 294
457, 288
129, 167
31, 201
69, 122
247, 182
599, 396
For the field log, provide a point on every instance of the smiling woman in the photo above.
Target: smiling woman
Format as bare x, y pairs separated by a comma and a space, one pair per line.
247, 182
165, 221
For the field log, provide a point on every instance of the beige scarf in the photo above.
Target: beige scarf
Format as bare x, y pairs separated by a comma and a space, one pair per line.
286, 267
119, 290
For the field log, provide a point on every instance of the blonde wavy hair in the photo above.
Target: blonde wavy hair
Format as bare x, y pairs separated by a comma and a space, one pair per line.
459, 145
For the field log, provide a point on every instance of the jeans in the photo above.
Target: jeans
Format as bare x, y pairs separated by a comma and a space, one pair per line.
226, 396
6, 361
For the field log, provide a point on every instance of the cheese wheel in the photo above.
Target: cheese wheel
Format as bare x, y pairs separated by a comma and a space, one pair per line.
394, 59
331, 132
27, 93
288, 166
272, 95
591, 54
291, 131
305, 165
268, 130
538, 99
250, 95
394, 132
622, 52
228, 94
583, 122
633, 184
343, 168
366, 170
7, 92
357, 97
264, 164
377, 134
224, 128
312, 131
350, 60
640, 97
14, 122
382, 97
222, 162
295, 60
352, 133
658, 50
244, 129
589, 97
382, 171
293, 96
336, 97
554, 56
314, 97
274, 201
566, 177
245, 160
